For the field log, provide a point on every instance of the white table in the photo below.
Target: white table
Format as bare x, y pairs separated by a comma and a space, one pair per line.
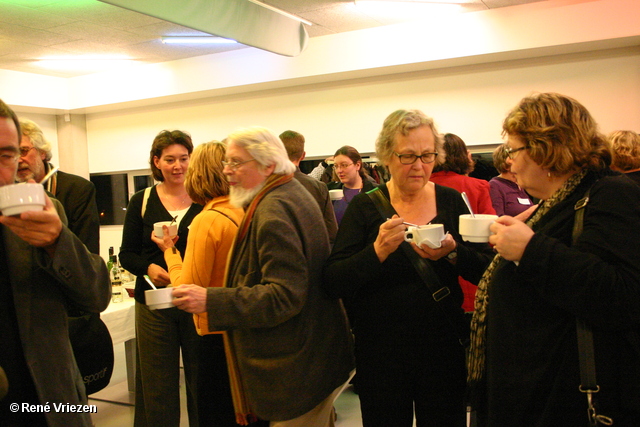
121, 321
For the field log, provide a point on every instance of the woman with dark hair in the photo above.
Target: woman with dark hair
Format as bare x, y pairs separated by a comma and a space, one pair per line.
161, 334
524, 358
453, 173
352, 178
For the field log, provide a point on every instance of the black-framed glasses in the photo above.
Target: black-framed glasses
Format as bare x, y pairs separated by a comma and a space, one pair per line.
25, 150
8, 160
409, 159
235, 165
511, 152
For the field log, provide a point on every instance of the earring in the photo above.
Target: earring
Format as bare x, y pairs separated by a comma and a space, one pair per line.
549, 174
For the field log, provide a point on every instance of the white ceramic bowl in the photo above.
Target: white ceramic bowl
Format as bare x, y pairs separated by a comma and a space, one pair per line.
476, 229
159, 298
336, 194
157, 229
18, 198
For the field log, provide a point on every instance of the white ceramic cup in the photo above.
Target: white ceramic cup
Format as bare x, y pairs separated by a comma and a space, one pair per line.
159, 298
157, 229
431, 235
476, 229
18, 198
336, 194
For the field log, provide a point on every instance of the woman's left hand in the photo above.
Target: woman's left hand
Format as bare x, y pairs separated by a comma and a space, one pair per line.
190, 298
166, 242
448, 245
510, 237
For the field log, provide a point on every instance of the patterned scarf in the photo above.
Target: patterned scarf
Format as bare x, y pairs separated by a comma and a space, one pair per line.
476, 360
244, 415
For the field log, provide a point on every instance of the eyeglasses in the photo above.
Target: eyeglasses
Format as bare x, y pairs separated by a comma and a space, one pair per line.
235, 165
409, 159
342, 166
25, 150
8, 160
511, 152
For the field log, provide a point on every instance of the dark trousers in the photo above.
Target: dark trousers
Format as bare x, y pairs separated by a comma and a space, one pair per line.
394, 381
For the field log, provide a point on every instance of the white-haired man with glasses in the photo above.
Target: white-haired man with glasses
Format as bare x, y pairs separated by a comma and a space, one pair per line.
44, 270
292, 341
77, 194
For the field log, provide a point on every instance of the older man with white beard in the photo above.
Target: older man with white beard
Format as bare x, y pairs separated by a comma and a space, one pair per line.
292, 341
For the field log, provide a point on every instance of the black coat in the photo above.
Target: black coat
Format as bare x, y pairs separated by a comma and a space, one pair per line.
532, 355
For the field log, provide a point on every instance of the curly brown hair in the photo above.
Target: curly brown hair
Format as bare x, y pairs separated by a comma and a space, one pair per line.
561, 134
626, 150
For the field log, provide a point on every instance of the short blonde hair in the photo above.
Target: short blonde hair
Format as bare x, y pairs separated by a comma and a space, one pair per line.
626, 150
561, 134
204, 180
402, 122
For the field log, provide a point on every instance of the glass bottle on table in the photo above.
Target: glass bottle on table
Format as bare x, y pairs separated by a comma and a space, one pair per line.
116, 281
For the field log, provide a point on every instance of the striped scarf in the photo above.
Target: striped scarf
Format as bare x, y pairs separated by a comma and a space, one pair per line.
244, 415
476, 360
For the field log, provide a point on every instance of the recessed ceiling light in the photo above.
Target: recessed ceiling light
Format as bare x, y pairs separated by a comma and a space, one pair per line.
196, 40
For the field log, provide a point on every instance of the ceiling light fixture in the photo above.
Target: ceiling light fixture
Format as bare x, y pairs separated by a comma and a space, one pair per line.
196, 40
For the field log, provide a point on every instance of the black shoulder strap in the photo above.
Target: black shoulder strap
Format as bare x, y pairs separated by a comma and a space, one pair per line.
426, 273
230, 219
586, 354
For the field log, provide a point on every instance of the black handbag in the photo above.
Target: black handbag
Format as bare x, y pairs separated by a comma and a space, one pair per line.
92, 349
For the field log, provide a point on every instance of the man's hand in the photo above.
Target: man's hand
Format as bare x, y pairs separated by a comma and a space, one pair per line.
37, 228
190, 298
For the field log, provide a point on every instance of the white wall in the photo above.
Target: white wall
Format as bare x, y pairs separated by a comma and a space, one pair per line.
470, 101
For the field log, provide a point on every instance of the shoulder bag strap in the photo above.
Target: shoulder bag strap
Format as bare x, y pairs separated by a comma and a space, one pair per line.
230, 219
441, 294
586, 353
145, 199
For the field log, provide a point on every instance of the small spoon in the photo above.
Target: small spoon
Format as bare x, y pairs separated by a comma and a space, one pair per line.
49, 175
150, 282
466, 200
407, 223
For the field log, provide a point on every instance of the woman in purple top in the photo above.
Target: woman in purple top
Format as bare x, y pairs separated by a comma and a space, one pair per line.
353, 179
507, 197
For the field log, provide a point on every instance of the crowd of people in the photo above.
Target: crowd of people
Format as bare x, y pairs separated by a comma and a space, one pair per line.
281, 292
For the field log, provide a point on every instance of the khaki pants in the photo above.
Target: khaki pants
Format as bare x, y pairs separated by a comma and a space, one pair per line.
322, 415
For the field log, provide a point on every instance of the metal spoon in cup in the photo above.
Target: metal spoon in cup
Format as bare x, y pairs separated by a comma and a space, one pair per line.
150, 282
466, 201
407, 223
49, 175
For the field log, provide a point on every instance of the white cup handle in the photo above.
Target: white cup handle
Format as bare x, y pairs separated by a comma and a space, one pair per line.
408, 236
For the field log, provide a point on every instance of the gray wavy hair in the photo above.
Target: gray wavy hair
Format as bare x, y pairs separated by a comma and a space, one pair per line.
264, 146
32, 131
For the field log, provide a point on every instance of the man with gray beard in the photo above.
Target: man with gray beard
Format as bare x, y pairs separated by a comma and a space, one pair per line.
292, 342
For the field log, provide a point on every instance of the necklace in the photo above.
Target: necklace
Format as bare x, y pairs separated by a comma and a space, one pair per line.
171, 205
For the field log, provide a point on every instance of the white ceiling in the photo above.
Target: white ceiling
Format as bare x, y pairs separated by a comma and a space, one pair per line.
32, 29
